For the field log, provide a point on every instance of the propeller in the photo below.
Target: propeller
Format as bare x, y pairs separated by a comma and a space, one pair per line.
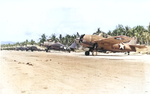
81, 38
78, 34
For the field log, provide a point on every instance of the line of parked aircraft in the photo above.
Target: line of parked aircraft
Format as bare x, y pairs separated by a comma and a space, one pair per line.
93, 44
24, 48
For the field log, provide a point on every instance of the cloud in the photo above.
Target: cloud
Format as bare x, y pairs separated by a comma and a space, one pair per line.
27, 33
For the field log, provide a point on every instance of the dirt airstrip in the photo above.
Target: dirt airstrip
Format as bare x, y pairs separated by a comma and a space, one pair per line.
24, 72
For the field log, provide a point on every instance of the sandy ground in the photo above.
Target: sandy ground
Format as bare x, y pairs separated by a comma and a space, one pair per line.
73, 73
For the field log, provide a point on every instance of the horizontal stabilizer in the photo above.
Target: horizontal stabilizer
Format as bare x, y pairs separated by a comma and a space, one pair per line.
138, 46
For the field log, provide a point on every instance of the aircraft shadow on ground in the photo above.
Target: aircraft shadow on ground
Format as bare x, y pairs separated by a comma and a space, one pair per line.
105, 55
112, 55
119, 55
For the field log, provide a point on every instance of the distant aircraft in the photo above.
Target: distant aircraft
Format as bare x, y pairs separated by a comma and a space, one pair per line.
32, 48
20, 48
97, 43
28, 47
55, 46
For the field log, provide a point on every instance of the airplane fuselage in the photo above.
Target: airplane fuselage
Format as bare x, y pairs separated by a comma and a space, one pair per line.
89, 40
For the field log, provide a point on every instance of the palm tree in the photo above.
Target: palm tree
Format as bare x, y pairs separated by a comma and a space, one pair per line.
109, 33
53, 37
26, 42
23, 43
146, 35
127, 30
60, 38
97, 32
67, 39
148, 40
32, 42
43, 38
17, 44
139, 33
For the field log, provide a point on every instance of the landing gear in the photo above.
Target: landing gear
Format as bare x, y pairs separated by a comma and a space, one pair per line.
87, 53
32, 50
127, 53
94, 51
46, 50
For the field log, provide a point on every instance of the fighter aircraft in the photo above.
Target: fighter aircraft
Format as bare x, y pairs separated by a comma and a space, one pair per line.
97, 43
55, 46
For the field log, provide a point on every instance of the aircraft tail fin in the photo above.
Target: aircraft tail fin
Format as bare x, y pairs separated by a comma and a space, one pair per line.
73, 45
133, 41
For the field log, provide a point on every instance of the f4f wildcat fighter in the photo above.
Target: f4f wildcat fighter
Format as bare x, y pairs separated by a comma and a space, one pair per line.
97, 43
55, 46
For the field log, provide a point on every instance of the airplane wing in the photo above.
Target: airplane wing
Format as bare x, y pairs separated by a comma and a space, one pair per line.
138, 46
113, 40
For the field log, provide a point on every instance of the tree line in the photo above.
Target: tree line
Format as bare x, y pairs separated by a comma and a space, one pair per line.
142, 34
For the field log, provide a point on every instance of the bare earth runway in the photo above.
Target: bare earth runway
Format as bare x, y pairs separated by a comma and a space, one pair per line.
73, 73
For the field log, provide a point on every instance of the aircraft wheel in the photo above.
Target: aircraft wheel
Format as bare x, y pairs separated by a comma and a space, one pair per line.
46, 50
128, 53
94, 53
69, 51
107, 52
87, 53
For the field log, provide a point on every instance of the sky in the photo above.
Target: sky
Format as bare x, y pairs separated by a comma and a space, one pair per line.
29, 19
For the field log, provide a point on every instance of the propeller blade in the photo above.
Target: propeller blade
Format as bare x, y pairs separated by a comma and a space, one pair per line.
81, 38
78, 34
